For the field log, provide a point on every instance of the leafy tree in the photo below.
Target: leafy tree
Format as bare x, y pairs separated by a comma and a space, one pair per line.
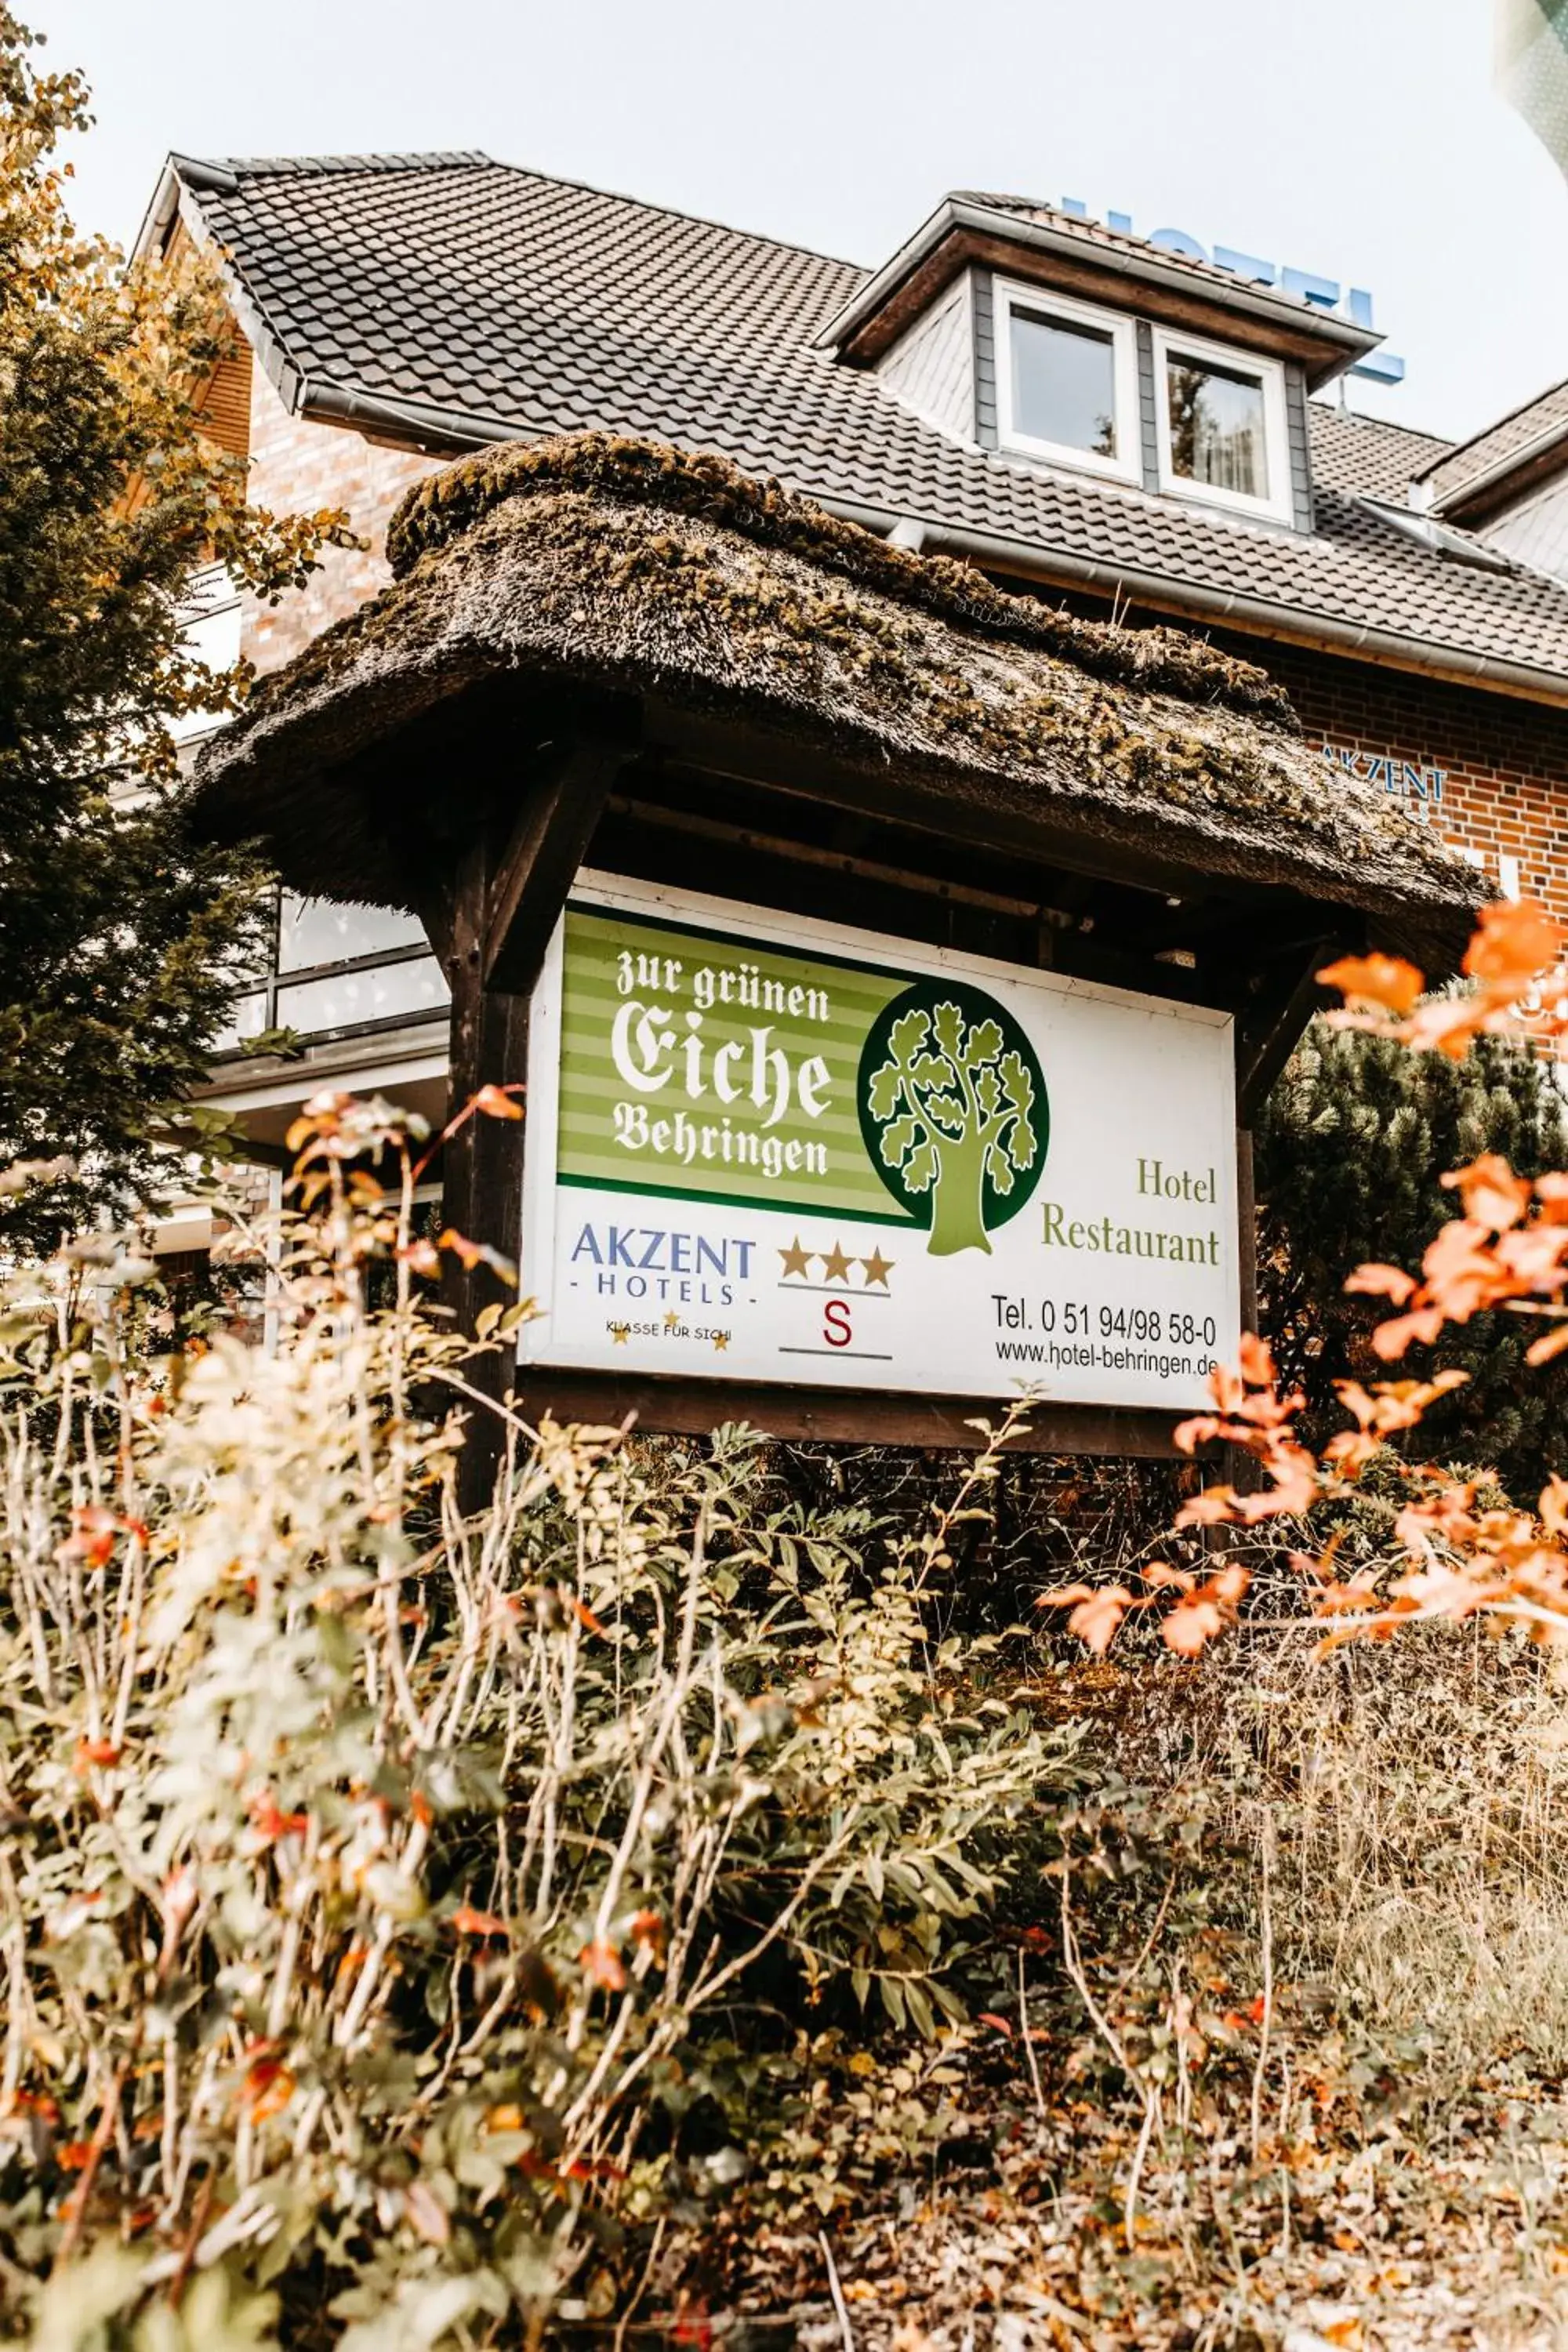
120, 937
1349, 1151
954, 1103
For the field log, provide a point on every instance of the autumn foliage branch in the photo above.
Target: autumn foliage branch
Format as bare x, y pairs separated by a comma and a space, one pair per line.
1460, 1554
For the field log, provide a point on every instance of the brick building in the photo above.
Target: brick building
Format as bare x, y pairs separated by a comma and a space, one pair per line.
1123, 424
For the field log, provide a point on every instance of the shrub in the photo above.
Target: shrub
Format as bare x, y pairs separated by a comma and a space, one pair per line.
1349, 1152
382, 1889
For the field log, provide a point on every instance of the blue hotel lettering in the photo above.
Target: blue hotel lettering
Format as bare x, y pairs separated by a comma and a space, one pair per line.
1401, 776
650, 1262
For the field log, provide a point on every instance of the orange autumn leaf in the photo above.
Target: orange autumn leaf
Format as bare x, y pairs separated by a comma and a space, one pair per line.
473, 1254
647, 1927
1375, 1281
1551, 1343
1391, 1340
499, 1102
1210, 1509
94, 1752
1256, 1361
270, 1824
268, 2087
1492, 1194
470, 1922
1347, 1599
1381, 979
1098, 1620
1191, 1626
1002, 2024
603, 1963
1515, 940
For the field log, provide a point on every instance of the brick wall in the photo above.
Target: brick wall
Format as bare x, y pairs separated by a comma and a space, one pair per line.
298, 467
1504, 762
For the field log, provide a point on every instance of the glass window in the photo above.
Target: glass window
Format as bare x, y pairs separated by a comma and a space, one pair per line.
1219, 432
342, 998
318, 930
247, 1019
1064, 384
1066, 381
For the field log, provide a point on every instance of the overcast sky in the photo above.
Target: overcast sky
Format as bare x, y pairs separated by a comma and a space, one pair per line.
1359, 138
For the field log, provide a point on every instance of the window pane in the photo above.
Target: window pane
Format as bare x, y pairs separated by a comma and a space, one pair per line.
347, 998
1217, 426
1064, 384
318, 930
247, 1019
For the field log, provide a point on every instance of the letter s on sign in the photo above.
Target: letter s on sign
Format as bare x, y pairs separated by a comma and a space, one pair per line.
836, 1325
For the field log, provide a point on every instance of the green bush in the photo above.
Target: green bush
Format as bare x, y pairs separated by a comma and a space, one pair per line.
1349, 1151
391, 1902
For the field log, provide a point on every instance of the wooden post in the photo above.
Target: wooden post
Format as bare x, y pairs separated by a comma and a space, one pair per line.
497, 914
482, 1189
1247, 1229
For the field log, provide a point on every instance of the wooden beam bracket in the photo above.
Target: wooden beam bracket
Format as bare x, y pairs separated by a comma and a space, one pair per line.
548, 842
1266, 1035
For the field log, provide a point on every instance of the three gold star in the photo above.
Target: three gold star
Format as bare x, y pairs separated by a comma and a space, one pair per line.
795, 1259
834, 1265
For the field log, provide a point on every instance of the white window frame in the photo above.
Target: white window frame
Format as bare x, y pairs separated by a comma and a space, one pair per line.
1279, 505
1010, 295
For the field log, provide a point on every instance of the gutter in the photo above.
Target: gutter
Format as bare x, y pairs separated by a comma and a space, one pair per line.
444, 432
1474, 487
420, 423
1251, 615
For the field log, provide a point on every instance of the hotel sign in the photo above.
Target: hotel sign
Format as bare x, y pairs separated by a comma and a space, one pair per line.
765, 1149
1307, 285
1412, 780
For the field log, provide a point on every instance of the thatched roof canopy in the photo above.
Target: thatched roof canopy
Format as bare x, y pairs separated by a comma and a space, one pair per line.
597, 565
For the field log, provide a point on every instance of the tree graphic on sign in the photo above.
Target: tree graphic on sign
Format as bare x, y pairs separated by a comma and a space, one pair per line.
953, 1108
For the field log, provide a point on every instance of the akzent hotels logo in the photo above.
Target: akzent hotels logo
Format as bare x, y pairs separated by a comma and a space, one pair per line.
953, 1111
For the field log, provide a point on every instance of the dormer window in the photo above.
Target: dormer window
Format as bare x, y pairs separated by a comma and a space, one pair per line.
1220, 427
1068, 381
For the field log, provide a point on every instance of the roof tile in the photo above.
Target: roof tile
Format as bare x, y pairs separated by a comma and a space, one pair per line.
537, 305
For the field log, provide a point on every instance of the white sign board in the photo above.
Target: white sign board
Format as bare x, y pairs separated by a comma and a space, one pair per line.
763, 1149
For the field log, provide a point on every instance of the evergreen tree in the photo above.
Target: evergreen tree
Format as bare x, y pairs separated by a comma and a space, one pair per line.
1349, 1154
118, 936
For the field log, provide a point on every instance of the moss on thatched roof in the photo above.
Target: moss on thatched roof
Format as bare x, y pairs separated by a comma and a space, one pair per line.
712, 489
601, 564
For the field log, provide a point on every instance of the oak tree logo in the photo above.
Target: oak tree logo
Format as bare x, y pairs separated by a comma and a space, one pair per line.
953, 1111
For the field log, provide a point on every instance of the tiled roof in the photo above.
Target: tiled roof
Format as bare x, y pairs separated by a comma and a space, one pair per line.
1450, 475
526, 305
1096, 234
1353, 453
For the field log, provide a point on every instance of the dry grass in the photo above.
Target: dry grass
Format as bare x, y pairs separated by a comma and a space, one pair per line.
1416, 1798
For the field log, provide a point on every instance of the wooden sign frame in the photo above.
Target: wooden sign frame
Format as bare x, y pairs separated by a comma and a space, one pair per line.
666, 796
